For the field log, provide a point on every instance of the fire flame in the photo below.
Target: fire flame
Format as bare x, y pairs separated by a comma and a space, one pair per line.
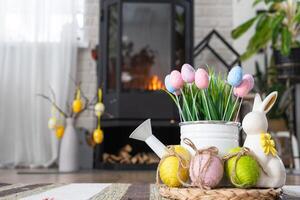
155, 83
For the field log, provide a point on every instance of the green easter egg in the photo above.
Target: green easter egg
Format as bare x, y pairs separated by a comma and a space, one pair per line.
247, 170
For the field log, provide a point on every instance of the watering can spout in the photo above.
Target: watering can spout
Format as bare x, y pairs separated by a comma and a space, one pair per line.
144, 133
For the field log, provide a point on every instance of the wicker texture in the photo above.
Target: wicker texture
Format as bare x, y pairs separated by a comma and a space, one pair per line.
218, 194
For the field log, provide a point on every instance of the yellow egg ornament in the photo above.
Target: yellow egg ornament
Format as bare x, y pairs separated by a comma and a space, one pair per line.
52, 123
98, 136
77, 105
173, 170
59, 132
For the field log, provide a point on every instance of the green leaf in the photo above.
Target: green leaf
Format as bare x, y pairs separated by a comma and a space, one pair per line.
286, 40
262, 20
260, 38
256, 2
297, 16
276, 26
240, 30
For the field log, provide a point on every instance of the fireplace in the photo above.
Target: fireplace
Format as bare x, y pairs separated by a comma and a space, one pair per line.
140, 42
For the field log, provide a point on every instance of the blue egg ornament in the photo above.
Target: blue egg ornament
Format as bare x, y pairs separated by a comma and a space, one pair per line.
168, 84
235, 76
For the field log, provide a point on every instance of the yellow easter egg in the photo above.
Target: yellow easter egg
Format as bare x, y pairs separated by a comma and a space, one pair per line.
52, 123
99, 109
77, 105
98, 136
183, 152
170, 170
59, 132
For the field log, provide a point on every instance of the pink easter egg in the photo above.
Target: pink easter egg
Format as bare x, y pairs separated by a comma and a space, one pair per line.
176, 79
243, 89
251, 80
201, 79
188, 73
205, 173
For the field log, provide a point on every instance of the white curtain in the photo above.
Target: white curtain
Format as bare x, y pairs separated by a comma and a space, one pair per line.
37, 50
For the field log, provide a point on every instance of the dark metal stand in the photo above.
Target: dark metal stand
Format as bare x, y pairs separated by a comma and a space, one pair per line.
205, 44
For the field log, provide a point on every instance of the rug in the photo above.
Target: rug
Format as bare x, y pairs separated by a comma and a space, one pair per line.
95, 191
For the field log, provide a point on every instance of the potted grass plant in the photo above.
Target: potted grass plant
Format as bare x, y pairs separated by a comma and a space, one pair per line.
279, 25
208, 105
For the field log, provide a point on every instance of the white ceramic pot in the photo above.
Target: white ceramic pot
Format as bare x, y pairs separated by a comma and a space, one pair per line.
223, 135
69, 149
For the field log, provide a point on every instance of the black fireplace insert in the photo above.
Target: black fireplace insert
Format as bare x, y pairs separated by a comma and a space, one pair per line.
140, 42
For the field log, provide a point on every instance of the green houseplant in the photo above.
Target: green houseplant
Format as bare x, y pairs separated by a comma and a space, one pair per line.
279, 25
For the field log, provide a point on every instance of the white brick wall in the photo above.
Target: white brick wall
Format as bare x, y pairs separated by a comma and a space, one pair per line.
209, 14
86, 69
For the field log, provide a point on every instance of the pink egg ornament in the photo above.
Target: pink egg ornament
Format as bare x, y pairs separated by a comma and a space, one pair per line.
243, 89
176, 80
188, 73
206, 170
251, 80
201, 79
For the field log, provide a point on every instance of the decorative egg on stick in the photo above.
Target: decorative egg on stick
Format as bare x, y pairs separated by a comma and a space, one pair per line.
188, 73
202, 82
235, 76
176, 80
250, 78
172, 90
242, 90
177, 83
168, 85
201, 78
234, 79
241, 168
206, 168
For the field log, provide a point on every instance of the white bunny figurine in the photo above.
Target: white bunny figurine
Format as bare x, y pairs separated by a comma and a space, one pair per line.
255, 125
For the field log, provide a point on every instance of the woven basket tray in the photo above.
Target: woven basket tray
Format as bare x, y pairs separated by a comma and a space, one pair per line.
218, 194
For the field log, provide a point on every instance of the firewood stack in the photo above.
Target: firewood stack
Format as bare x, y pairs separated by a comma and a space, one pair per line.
124, 157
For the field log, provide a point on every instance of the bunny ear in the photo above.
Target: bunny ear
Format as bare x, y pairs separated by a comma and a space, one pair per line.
257, 103
269, 101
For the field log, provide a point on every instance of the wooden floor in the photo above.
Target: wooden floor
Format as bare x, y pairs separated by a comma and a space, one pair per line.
91, 176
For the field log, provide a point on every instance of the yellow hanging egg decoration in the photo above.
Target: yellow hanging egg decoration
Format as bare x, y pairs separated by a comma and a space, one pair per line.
98, 136
174, 167
77, 103
59, 132
99, 109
